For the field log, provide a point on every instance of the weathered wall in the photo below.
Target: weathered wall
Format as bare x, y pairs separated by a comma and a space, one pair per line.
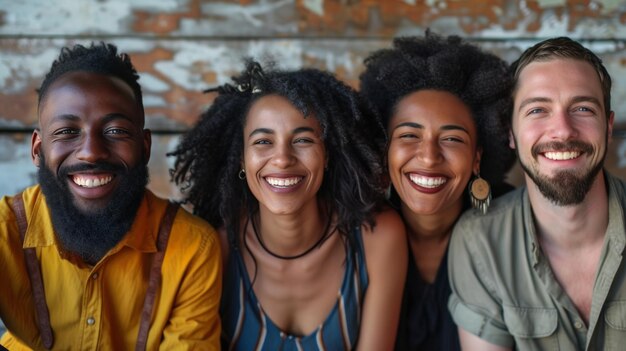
183, 46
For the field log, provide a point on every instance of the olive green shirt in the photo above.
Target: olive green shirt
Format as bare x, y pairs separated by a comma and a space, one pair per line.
504, 291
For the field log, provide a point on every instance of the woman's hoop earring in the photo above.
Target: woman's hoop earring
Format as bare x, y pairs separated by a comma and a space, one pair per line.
480, 194
242, 174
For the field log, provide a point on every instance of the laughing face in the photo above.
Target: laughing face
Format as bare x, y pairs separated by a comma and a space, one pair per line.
92, 153
284, 155
91, 132
432, 151
560, 128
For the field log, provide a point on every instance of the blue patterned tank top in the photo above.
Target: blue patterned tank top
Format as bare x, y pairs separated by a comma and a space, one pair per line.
246, 327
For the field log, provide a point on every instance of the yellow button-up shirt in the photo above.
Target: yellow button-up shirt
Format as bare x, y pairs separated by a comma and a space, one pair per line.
99, 307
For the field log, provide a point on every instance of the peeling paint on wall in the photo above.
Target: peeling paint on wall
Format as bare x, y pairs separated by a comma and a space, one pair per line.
609, 6
315, 6
181, 47
551, 3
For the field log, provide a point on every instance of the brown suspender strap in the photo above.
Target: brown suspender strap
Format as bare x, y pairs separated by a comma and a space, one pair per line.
155, 275
34, 274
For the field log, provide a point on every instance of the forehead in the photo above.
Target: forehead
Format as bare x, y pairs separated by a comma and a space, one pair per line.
558, 79
433, 108
274, 111
84, 93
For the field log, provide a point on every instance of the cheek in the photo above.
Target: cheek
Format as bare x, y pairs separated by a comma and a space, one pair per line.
249, 159
396, 157
56, 155
317, 162
463, 162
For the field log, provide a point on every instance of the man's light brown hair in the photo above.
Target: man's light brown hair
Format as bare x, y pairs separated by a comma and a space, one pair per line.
564, 48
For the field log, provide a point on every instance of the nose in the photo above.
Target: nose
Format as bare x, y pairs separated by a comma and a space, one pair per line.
283, 156
429, 151
562, 125
92, 148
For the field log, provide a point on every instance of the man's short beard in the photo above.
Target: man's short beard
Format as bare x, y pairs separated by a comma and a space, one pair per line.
566, 187
92, 235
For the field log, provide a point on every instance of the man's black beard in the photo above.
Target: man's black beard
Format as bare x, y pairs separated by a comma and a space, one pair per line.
566, 187
92, 235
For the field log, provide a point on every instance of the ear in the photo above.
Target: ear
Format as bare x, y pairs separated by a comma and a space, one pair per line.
35, 147
511, 139
610, 126
477, 158
147, 144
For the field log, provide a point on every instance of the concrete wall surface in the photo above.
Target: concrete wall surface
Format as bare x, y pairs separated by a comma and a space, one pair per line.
183, 46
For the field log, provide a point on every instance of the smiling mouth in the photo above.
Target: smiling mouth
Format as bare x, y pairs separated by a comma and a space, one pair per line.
562, 155
91, 181
283, 182
427, 182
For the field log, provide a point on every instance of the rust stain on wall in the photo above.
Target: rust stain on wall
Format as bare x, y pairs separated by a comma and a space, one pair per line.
383, 18
574, 11
361, 16
20, 107
163, 23
182, 105
183, 46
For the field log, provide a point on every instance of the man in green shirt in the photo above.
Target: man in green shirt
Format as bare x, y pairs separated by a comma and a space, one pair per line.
543, 270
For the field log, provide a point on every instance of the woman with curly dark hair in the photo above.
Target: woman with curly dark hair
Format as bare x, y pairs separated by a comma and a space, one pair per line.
445, 105
280, 162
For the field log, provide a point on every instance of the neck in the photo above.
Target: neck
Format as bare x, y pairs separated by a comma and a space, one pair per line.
571, 226
428, 237
431, 227
291, 236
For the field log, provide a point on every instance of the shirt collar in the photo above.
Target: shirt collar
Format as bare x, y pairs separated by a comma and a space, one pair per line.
615, 232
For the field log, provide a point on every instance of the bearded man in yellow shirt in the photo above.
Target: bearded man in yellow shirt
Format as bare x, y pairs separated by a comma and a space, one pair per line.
94, 260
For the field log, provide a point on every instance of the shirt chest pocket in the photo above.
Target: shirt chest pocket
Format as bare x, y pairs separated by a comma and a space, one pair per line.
615, 318
532, 328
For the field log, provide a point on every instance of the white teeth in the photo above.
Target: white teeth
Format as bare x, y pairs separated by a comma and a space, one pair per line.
90, 182
427, 182
567, 155
283, 182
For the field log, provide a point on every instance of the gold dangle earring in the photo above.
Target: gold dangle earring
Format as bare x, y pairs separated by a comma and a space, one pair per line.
480, 194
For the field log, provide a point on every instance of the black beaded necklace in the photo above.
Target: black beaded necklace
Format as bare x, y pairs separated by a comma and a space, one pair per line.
326, 235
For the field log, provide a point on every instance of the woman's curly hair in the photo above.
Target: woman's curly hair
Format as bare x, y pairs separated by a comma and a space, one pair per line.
208, 159
479, 79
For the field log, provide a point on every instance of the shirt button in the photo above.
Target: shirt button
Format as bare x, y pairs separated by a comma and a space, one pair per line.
578, 325
94, 276
91, 321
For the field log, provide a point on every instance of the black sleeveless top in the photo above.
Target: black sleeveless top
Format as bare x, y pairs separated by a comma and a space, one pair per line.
425, 323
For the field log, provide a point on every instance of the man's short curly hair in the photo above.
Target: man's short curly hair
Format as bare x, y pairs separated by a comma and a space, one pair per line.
101, 58
478, 78
210, 155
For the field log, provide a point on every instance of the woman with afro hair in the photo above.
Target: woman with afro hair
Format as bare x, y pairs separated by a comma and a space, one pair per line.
281, 163
445, 105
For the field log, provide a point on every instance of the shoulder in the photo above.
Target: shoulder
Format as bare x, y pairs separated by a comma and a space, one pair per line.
502, 213
388, 227
190, 234
6, 214
31, 197
493, 233
386, 237
616, 184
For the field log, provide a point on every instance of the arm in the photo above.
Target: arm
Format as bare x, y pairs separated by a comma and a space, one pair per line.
386, 256
470, 342
475, 304
194, 321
